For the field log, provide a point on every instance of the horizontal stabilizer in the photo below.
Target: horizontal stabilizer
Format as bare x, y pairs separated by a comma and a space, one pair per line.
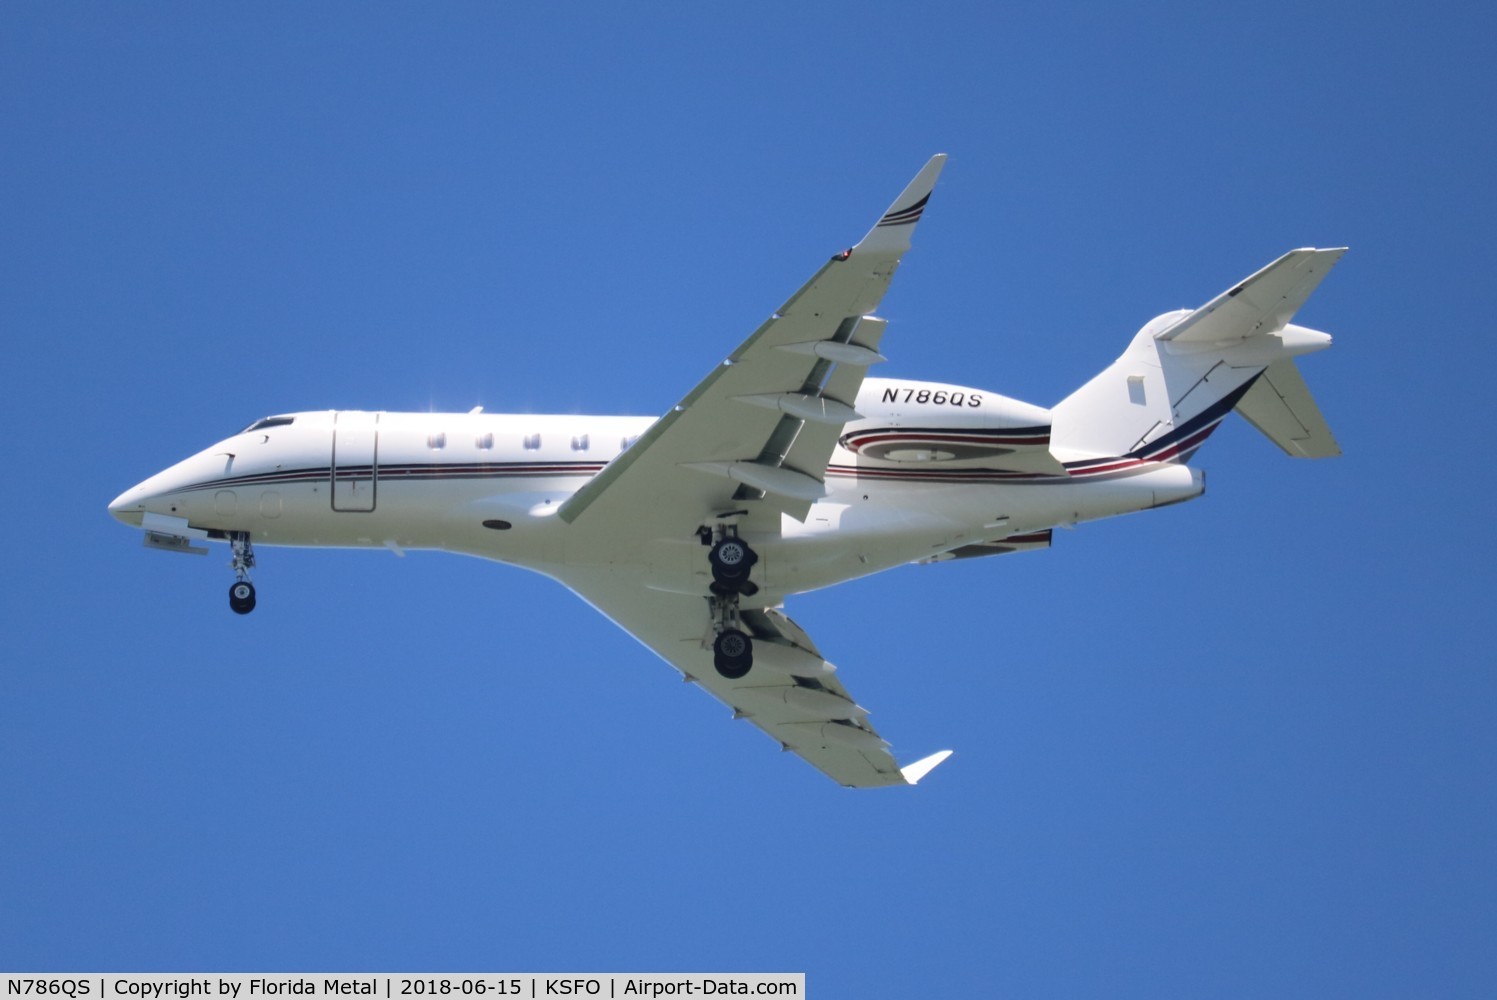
1263, 303
1280, 405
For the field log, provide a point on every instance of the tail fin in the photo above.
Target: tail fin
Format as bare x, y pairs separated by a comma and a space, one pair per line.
1186, 370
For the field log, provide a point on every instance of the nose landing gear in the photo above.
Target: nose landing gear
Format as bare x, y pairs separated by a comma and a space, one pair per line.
242, 593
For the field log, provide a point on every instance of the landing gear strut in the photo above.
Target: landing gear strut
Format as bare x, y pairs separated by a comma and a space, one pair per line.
242, 593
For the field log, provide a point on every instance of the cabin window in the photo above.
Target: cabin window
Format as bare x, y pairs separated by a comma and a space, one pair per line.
532, 442
626, 443
579, 443
484, 442
437, 441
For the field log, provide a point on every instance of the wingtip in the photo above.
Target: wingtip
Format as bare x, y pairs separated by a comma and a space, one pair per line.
891, 234
930, 173
1333, 252
920, 768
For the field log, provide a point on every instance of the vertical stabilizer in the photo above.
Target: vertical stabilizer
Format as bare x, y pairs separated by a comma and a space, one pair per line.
1186, 370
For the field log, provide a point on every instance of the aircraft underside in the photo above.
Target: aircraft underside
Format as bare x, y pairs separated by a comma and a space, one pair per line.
862, 527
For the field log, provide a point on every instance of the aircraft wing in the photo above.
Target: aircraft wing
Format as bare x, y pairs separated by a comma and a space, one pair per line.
792, 693
762, 425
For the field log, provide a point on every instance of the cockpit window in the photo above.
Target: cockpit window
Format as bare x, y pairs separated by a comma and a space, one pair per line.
260, 425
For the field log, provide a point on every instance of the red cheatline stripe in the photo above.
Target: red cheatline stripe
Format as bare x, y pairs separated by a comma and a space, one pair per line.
855, 441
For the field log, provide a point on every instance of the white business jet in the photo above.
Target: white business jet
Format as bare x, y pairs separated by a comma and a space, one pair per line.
784, 470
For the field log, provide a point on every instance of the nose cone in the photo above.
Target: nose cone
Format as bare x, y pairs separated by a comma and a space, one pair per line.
129, 507
163, 493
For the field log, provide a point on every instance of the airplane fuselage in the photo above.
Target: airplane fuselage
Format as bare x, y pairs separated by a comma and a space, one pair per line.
927, 470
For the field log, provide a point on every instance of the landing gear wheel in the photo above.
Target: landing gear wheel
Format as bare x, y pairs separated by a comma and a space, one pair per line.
242, 597
732, 653
731, 560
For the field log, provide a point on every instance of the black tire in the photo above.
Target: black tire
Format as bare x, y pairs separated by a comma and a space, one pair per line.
731, 560
242, 597
732, 653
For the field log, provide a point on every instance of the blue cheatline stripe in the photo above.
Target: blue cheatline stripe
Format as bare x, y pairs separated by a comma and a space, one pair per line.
1211, 415
903, 216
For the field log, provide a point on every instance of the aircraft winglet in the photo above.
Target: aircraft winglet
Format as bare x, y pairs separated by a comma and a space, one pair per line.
891, 234
914, 772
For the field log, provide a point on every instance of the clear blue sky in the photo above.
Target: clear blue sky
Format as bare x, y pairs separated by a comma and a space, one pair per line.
1242, 747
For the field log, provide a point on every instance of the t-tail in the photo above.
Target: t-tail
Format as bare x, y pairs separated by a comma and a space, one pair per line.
1186, 370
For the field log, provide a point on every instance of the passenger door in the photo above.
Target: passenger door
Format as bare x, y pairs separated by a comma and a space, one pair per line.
355, 460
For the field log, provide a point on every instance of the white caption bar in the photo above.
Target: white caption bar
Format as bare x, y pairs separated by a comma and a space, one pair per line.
399, 986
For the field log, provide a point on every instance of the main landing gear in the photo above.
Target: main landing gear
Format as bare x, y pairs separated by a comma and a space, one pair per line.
731, 559
732, 652
242, 593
